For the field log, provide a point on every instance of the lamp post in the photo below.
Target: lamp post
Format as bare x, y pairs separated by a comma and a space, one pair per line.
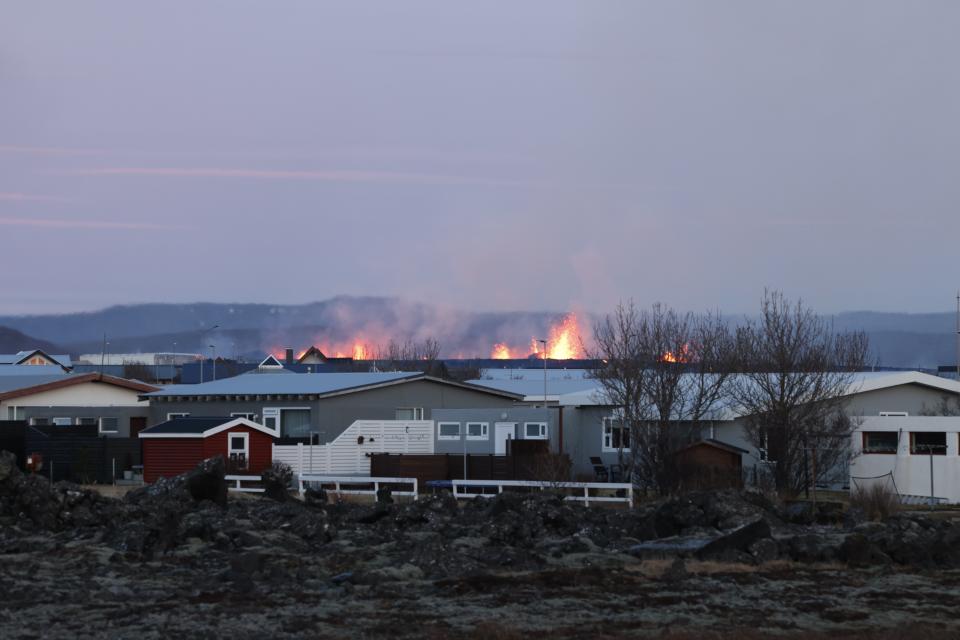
213, 359
203, 333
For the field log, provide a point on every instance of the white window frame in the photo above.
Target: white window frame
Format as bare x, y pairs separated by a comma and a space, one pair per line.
417, 412
544, 434
270, 412
246, 447
484, 431
440, 435
246, 415
61, 422
177, 414
100, 424
606, 444
92, 420
47, 421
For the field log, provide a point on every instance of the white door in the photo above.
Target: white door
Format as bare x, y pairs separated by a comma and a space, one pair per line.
504, 431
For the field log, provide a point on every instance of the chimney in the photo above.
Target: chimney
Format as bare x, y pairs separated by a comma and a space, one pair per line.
289, 358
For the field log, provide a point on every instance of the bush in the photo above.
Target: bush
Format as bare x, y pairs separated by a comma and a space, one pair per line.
877, 501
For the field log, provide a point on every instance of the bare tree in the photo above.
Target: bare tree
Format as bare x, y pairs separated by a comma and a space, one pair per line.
412, 355
795, 374
666, 372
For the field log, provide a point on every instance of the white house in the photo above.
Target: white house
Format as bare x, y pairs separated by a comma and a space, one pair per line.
908, 454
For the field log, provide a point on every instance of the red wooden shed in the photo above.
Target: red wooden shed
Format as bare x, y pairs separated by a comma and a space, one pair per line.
173, 447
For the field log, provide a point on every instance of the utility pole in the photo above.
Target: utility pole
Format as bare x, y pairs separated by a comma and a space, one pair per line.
213, 359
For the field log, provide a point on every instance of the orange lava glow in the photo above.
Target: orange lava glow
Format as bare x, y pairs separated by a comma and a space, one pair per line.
682, 356
563, 343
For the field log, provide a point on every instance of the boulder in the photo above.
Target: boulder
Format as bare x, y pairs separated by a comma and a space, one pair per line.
276, 481
739, 539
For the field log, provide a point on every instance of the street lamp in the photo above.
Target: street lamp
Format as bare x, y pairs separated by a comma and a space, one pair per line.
544, 343
213, 359
203, 333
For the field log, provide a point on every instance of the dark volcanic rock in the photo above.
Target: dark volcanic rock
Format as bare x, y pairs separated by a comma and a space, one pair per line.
276, 481
738, 540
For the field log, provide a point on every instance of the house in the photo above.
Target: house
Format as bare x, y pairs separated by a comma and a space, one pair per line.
910, 455
34, 358
489, 430
113, 405
710, 464
590, 427
322, 405
176, 446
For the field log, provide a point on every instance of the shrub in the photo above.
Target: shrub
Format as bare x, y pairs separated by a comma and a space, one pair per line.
877, 501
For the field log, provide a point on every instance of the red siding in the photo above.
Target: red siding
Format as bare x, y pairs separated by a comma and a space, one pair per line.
167, 457
261, 448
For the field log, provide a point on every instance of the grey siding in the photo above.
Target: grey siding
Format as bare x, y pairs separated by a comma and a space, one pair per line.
123, 415
519, 415
332, 415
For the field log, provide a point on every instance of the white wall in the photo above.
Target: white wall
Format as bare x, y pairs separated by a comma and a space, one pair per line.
910, 473
347, 456
87, 394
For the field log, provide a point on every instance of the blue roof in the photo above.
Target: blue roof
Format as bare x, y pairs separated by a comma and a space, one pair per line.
31, 370
531, 386
294, 384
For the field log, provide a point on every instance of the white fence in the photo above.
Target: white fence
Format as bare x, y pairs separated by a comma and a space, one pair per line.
353, 484
238, 481
460, 486
347, 454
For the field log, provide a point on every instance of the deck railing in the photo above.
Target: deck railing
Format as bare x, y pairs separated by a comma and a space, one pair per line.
353, 484
460, 489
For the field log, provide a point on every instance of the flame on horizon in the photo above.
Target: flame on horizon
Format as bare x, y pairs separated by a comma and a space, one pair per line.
563, 343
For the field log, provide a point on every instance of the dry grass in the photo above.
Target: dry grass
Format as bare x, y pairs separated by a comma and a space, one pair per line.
878, 501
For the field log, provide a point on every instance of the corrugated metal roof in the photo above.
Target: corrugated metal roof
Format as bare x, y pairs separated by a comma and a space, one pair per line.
31, 370
533, 387
298, 384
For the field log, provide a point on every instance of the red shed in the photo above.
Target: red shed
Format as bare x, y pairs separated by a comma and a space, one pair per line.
173, 447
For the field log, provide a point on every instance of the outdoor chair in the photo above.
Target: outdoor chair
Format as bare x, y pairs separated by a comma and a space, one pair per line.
599, 469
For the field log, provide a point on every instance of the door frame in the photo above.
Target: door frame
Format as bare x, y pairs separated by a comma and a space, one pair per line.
509, 428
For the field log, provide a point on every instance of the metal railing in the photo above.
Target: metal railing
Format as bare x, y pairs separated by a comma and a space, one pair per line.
353, 482
238, 481
585, 487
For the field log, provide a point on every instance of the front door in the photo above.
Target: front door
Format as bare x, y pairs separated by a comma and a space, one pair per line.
504, 431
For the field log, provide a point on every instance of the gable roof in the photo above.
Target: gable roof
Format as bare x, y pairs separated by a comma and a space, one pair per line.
29, 385
62, 360
312, 351
717, 444
271, 362
313, 384
200, 427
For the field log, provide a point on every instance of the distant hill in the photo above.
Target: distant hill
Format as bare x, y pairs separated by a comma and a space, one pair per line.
922, 340
13, 341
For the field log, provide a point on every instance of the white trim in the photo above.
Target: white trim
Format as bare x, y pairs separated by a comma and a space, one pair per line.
484, 430
607, 430
544, 433
64, 422
440, 435
239, 422
246, 446
417, 413
100, 424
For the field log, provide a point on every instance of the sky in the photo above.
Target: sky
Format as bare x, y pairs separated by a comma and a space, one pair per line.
515, 154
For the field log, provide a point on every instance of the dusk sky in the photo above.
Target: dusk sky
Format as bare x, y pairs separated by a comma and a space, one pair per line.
489, 155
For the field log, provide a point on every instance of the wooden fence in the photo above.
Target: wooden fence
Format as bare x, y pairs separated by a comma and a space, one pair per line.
450, 466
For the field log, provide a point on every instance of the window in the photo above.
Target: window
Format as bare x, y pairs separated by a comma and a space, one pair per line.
238, 449
39, 422
535, 430
109, 425
478, 431
615, 435
63, 422
174, 416
86, 421
245, 415
14, 413
929, 442
448, 431
894, 414
409, 413
290, 422
880, 441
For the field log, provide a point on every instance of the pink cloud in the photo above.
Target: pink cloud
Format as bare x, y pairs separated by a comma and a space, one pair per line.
388, 177
49, 151
49, 223
25, 197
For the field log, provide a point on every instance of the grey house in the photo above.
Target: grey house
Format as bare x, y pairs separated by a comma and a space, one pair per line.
487, 431
325, 404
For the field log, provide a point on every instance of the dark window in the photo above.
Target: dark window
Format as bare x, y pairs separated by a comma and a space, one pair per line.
926, 443
880, 441
238, 444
